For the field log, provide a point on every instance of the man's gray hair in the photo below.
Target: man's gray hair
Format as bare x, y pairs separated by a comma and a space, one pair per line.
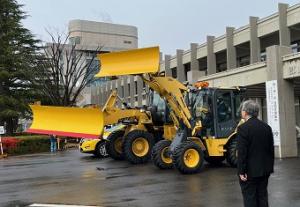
251, 108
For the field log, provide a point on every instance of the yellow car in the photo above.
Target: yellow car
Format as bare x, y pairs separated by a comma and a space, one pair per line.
97, 146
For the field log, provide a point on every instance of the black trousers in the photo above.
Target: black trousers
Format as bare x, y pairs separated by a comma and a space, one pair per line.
255, 192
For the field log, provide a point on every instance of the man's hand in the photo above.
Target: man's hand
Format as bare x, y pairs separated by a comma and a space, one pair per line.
243, 177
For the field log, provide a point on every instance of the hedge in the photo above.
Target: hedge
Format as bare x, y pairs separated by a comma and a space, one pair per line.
26, 144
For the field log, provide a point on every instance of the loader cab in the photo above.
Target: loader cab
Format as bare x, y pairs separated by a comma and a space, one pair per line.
227, 110
201, 106
218, 110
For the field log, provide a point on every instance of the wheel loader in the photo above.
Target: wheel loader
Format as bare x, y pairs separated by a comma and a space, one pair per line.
206, 118
212, 137
134, 142
188, 145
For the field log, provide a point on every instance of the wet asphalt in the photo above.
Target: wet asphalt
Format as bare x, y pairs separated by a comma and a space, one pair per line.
70, 177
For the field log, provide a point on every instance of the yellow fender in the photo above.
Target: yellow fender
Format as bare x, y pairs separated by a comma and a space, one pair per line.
67, 121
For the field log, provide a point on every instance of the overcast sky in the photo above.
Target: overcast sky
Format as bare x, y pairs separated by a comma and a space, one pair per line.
171, 24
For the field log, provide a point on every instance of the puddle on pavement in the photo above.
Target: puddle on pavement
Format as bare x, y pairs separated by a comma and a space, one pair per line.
16, 203
100, 168
117, 176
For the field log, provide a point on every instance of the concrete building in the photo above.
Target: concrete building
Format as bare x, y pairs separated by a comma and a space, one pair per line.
110, 37
263, 56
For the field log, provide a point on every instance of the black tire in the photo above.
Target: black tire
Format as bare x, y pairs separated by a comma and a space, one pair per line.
216, 161
179, 158
100, 150
158, 154
231, 154
111, 145
136, 136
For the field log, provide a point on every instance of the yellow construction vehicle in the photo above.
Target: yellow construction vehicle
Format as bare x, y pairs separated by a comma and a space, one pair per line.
133, 142
197, 137
206, 118
212, 136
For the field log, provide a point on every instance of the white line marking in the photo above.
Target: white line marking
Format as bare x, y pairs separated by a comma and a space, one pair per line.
56, 205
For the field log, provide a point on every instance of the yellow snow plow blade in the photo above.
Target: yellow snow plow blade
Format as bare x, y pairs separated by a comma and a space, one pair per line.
138, 61
67, 121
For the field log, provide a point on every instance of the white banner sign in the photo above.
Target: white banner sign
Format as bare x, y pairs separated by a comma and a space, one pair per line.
273, 109
2, 131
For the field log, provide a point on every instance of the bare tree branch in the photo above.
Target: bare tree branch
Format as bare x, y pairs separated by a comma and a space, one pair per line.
66, 70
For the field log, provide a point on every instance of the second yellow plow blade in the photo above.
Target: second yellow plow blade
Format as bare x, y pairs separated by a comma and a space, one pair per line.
137, 61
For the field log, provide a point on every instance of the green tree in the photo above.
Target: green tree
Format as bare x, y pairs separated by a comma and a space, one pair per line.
18, 61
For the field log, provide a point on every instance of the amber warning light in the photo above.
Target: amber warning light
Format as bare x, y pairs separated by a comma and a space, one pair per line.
201, 84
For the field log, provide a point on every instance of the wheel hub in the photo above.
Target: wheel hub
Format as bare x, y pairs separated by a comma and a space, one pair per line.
140, 147
164, 156
118, 145
102, 150
191, 158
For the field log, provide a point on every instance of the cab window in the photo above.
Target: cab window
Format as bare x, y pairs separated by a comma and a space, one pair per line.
224, 110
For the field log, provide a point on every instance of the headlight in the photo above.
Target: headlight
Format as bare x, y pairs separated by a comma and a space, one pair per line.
85, 140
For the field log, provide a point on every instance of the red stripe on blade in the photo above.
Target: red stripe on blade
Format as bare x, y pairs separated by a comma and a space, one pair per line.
60, 133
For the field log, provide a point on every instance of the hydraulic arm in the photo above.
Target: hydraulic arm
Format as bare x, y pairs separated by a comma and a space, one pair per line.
145, 62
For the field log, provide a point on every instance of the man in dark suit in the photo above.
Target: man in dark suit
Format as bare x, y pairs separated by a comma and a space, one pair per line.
255, 156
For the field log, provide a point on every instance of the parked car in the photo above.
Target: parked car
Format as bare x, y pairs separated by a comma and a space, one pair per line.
97, 146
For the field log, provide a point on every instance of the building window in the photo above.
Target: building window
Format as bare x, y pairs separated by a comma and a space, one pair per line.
128, 85
243, 61
221, 66
295, 46
243, 54
187, 68
221, 61
122, 92
92, 70
136, 87
91, 54
202, 62
127, 42
75, 40
174, 72
263, 56
144, 85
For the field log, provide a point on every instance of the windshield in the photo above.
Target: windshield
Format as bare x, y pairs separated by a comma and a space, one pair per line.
158, 102
199, 103
159, 109
201, 109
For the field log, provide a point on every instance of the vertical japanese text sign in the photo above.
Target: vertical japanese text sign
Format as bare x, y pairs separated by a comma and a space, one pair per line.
273, 109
